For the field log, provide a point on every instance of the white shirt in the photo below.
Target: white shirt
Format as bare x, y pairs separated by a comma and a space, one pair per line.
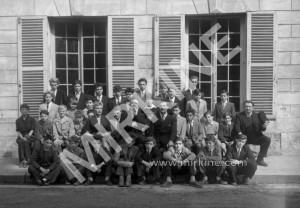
77, 94
99, 119
164, 116
99, 98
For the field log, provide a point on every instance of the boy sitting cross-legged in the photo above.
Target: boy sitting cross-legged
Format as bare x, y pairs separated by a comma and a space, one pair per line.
125, 161
180, 159
145, 159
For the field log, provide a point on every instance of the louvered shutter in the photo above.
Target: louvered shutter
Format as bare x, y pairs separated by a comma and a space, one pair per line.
169, 51
31, 61
261, 53
122, 61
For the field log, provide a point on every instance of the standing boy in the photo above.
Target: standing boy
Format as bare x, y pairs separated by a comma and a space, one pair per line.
222, 107
181, 122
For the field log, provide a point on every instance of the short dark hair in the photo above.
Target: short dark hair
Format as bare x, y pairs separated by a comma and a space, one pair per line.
207, 113
142, 80
73, 100
227, 114
224, 91
24, 105
210, 138
176, 106
78, 113
77, 82
178, 139
192, 111
89, 111
197, 92
89, 97
240, 136
98, 84
193, 77
44, 112
150, 139
48, 137
129, 89
248, 101
117, 88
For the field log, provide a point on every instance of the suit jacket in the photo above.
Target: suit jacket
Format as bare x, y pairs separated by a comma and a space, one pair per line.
147, 95
90, 122
226, 132
60, 98
187, 97
107, 105
41, 158
166, 130
181, 127
155, 155
124, 155
245, 154
199, 111
53, 111
42, 129
185, 154
113, 101
219, 111
171, 105
81, 102
198, 133
63, 128
248, 126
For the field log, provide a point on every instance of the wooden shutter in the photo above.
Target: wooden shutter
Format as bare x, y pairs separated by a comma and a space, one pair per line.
169, 51
31, 61
261, 66
122, 61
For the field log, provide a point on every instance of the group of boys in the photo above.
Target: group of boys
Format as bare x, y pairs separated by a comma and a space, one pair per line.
167, 136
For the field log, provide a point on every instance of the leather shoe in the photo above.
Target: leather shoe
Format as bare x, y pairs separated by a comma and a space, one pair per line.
261, 163
196, 184
39, 182
88, 182
246, 181
167, 184
109, 183
234, 184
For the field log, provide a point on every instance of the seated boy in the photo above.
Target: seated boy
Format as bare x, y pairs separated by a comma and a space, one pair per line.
44, 162
194, 132
180, 160
74, 149
125, 161
73, 107
225, 131
241, 160
63, 128
89, 103
181, 122
78, 122
43, 127
210, 127
211, 160
145, 158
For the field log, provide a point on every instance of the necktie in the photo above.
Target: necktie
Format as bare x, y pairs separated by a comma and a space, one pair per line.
239, 151
191, 130
48, 107
223, 104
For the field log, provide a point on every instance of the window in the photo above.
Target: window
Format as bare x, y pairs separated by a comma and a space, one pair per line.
207, 58
81, 53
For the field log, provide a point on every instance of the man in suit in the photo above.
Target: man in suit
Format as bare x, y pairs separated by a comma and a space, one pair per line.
118, 99
78, 94
60, 97
44, 162
142, 92
181, 122
188, 94
173, 100
91, 127
241, 160
248, 123
107, 105
222, 107
165, 128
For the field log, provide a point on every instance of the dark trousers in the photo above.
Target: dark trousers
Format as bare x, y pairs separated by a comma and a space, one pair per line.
36, 173
247, 170
154, 171
186, 169
107, 168
122, 171
24, 149
264, 143
212, 168
67, 174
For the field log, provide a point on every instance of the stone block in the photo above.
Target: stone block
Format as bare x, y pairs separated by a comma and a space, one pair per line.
295, 5
45, 7
295, 58
295, 111
287, 125
8, 50
145, 62
145, 48
9, 146
10, 76
290, 143
145, 21
288, 18
9, 114
288, 98
8, 36
9, 103
288, 44
283, 111
284, 31
275, 5
102, 8
17, 7
7, 63
9, 90
145, 35
132, 7
251, 5
10, 129
283, 85
283, 58
296, 31
275, 146
8, 23
288, 71
295, 85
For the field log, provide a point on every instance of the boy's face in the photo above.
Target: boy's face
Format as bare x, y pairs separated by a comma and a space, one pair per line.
189, 117
24, 111
163, 90
73, 145
193, 83
47, 144
77, 88
118, 94
197, 97
223, 97
178, 145
89, 104
117, 114
163, 108
209, 118
149, 146
62, 112
48, 98
128, 95
142, 85
172, 93
54, 86
240, 142
79, 118
73, 106
98, 110
149, 102
228, 119
210, 144
134, 104
176, 111
99, 91
90, 114
44, 117
248, 108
